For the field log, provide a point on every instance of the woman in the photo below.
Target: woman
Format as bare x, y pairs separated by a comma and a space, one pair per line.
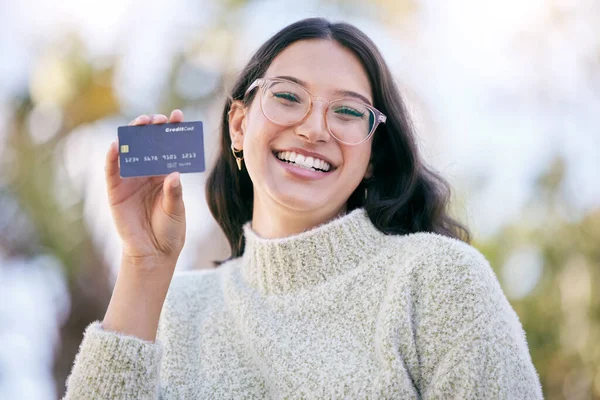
347, 277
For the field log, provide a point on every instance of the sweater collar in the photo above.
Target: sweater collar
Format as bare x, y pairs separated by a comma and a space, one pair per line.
277, 266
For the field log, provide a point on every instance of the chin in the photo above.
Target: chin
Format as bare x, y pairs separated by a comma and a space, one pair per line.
300, 203
295, 198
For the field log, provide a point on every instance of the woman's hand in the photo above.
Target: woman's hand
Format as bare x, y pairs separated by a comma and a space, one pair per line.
149, 213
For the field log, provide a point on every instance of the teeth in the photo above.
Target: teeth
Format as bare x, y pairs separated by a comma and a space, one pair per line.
305, 167
306, 162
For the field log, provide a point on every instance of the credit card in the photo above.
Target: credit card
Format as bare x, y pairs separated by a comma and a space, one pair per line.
159, 149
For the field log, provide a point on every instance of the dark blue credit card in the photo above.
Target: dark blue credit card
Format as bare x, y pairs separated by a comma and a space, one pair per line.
159, 149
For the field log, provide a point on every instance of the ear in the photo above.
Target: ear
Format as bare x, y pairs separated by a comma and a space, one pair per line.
237, 124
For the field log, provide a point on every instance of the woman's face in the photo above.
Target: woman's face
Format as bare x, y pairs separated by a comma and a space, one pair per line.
326, 68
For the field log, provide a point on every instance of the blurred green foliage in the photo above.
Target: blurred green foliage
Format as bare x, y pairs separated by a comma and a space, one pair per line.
561, 315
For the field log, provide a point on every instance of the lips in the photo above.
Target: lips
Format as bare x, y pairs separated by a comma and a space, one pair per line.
300, 172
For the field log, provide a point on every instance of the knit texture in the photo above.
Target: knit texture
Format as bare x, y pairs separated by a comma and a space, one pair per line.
340, 311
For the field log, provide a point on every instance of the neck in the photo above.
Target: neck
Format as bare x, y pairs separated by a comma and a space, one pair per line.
287, 264
275, 221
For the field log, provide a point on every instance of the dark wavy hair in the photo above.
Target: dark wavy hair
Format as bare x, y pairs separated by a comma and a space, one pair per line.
403, 196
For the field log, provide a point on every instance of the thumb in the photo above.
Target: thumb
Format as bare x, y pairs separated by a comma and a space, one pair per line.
172, 198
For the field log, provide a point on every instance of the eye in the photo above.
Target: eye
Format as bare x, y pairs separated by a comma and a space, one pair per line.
286, 96
349, 111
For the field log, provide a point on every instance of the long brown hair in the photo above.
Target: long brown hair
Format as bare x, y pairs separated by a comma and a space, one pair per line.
404, 195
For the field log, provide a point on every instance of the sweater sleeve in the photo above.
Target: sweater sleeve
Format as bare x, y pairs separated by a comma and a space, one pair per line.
470, 340
111, 365
484, 366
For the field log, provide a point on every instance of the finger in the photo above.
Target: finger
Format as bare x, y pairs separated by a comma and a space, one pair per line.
159, 119
141, 120
172, 200
111, 167
176, 116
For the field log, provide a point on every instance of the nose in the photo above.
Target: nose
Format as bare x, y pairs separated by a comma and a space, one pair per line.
313, 127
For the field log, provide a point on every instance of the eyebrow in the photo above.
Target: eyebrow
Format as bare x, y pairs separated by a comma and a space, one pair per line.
338, 92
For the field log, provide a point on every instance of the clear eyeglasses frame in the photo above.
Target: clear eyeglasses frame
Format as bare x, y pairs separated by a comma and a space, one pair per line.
377, 116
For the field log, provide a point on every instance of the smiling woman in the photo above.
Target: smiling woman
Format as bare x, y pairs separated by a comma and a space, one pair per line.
347, 278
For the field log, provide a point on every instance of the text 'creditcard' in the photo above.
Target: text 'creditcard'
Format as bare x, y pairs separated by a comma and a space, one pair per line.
159, 149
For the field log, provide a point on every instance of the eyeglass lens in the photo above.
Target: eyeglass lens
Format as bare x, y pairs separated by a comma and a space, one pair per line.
286, 103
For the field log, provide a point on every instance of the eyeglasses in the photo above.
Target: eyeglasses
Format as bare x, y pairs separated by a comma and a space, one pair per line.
287, 103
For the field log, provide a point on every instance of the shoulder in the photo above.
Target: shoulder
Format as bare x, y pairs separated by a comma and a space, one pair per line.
434, 245
427, 253
438, 270
192, 297
190, 279
193, 290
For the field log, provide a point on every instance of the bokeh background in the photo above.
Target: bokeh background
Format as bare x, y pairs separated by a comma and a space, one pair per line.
505, 98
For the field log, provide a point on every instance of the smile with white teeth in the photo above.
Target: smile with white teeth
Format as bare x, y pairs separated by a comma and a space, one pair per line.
311, 163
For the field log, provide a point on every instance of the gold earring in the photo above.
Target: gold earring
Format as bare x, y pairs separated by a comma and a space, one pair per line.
237, 159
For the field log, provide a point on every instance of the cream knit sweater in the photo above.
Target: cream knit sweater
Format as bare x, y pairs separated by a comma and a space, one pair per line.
340, 311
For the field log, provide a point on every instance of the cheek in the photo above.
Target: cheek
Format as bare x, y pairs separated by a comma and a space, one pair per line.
259, 129
356, 161
257, 140
258, 137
